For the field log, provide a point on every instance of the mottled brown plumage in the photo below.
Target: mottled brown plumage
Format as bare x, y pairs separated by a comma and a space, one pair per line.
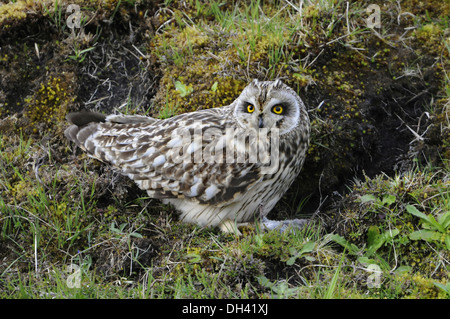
203, 162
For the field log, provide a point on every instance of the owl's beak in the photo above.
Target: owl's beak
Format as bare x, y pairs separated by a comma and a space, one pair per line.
260, 121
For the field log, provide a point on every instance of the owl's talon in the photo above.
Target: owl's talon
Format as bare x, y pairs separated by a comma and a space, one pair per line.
230, 227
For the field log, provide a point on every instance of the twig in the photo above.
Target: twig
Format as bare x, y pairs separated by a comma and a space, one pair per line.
346, 17
138, 51
314, 59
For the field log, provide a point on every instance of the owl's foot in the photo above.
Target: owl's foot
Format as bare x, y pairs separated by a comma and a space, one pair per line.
231, 227
283, 225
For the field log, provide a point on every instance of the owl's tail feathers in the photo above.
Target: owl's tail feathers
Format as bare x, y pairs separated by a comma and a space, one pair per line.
84, 118
84, 125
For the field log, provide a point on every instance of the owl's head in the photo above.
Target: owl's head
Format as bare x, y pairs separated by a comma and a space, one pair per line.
269, 104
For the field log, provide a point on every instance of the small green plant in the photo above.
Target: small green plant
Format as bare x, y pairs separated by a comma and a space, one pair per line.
386, 201
434, 230
56, 15
120, 231
279, 289
214, 87
307, 247
445, 288
330, 293
375, 240
80, 55
167, 111
351, 248
183, 89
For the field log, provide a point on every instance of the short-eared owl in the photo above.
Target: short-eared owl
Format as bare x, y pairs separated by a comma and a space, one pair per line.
216, 166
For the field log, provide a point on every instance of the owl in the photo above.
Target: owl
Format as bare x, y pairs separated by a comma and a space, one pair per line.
218, 167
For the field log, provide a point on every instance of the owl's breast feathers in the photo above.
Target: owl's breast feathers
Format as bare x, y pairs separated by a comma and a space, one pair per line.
167, 158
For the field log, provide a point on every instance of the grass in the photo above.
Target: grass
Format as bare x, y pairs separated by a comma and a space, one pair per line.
71, 227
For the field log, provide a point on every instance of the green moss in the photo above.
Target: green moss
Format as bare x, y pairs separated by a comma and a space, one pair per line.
425, 10
47, 108
432, 36
418, 286
12, 12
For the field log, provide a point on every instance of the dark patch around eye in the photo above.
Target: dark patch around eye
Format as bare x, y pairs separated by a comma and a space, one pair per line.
285, 106
245, 106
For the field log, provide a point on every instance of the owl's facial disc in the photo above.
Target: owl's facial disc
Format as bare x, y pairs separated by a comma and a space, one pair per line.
268, 105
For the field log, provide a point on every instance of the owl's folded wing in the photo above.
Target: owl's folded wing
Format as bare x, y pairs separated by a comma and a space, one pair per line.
181, 157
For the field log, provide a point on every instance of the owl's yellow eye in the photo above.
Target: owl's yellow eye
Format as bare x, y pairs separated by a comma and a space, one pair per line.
277, 109
250, 108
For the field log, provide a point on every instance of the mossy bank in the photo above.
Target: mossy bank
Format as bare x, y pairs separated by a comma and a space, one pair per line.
375, 184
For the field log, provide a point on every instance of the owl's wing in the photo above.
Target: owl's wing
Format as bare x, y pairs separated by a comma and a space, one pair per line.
181, 157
